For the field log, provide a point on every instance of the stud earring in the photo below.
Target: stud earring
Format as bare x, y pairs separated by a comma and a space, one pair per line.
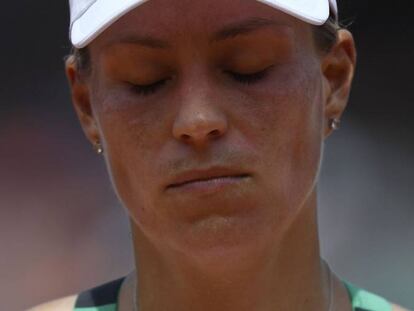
98, 147
334, 124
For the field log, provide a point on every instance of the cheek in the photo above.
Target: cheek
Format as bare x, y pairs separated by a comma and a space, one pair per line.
128, 130
287, 128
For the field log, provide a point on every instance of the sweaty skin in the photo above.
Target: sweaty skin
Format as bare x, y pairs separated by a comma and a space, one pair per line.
189, 90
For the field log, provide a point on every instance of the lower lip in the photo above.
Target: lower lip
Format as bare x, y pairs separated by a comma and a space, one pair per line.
210, 185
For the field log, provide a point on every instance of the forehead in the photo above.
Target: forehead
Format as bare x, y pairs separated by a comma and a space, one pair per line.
184, 19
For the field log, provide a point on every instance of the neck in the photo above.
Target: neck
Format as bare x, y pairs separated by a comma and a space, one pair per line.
290, 276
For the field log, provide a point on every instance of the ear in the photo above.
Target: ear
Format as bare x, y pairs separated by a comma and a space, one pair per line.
80, 90
338, 67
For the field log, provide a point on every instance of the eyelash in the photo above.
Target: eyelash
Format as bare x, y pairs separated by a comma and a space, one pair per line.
146, 90
249, 78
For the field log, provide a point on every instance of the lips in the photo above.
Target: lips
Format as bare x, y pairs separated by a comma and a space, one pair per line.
211, 174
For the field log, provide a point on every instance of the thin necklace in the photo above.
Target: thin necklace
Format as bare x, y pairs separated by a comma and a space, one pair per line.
135, 293
331, 292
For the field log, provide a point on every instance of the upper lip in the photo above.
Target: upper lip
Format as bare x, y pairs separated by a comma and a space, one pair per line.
204, 174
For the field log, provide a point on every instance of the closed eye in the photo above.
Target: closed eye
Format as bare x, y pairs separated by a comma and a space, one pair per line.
249, 78
147, 89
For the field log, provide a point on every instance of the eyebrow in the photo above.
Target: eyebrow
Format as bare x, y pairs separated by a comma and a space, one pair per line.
145, 41
227, 32
244, 27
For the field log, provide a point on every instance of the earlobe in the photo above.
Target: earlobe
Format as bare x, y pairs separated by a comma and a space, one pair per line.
81, 100
338, 67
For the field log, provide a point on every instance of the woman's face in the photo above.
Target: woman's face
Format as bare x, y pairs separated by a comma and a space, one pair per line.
195, 90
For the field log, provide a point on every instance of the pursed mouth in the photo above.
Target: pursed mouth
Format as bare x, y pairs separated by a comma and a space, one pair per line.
207, 179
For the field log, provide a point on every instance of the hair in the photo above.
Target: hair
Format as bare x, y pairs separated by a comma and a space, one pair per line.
325, 37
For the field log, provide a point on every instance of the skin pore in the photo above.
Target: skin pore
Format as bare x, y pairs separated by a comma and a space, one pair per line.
226, 84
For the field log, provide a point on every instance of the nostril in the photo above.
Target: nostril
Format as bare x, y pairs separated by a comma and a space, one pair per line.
185, 137
214, 133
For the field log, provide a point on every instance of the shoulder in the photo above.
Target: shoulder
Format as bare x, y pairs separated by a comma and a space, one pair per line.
68, 304
398, 308
102, 295
61, 304
362, 299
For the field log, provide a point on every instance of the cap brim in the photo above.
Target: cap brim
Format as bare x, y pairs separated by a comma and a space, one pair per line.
102, 13
99, 16
315, 12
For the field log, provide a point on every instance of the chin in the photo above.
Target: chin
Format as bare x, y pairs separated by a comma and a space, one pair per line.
216, 240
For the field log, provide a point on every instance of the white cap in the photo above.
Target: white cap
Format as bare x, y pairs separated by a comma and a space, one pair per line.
89, 18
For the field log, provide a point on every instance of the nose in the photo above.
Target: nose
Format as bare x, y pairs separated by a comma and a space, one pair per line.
200, 119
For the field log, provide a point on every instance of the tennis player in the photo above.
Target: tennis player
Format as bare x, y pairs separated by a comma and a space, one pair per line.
211, 116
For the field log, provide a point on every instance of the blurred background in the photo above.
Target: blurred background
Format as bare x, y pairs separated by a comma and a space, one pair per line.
62, 229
